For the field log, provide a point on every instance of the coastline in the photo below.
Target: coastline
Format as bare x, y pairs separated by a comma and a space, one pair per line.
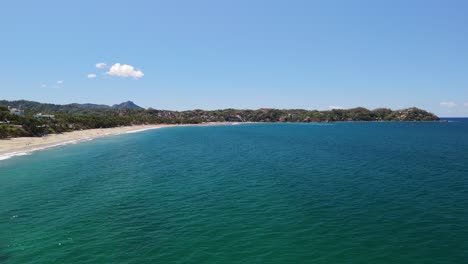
21, 146
26, 145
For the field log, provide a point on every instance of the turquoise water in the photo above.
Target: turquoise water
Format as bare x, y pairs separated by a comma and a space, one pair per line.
267, 193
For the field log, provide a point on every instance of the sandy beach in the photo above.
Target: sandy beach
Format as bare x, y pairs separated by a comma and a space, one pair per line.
25, 145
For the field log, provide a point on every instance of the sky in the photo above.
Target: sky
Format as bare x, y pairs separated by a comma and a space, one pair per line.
213, 54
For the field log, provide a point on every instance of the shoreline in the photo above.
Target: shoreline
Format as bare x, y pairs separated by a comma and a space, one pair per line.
22, 146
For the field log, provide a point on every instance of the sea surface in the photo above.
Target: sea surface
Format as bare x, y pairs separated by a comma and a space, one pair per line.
255, 193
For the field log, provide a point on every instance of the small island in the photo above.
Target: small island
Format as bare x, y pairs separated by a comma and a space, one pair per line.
32, 119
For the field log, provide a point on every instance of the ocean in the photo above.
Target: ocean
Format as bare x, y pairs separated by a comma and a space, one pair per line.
357, 192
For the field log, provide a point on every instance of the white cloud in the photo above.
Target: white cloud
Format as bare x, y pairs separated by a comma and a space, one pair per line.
59, 82
335, 107
101, 65
124, 70
43, 86
448, 104
91, 76
465, 104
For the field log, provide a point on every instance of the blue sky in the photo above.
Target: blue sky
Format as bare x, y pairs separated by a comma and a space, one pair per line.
239, 54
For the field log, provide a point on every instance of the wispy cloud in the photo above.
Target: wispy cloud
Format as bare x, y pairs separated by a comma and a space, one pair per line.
101, 65
58, 84
91, 76
448, 104
335, 107
43, 86
124, 70
465, 104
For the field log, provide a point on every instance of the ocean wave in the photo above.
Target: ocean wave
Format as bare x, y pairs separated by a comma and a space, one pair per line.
13, 154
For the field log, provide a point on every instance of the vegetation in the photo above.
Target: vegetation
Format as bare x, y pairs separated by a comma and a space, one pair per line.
86, 116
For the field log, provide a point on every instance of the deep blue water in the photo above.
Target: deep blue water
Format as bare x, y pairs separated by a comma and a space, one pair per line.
257, 193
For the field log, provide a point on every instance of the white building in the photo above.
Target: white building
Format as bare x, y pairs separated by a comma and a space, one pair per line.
40, 115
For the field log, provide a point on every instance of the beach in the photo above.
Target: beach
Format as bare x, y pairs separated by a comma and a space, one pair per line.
25, 145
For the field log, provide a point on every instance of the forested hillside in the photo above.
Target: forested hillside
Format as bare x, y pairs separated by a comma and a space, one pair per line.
86, 116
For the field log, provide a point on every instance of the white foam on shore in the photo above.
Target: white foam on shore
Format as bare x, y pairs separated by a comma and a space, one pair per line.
13, 154
28, 152
140, 130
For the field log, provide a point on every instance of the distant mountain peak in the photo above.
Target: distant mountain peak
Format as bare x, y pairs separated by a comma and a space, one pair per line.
127, 105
